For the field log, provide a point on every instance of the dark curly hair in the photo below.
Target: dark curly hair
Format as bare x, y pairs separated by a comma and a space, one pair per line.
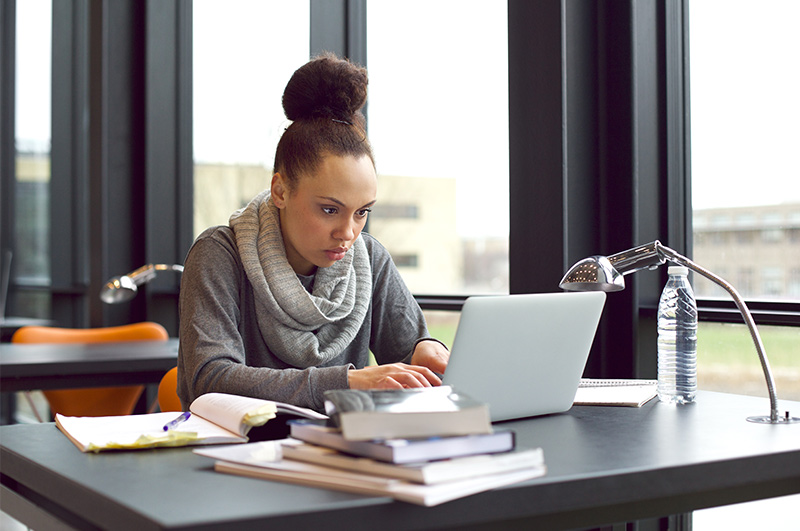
323, 99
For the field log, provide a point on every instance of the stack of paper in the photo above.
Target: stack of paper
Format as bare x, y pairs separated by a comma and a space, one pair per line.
425, 483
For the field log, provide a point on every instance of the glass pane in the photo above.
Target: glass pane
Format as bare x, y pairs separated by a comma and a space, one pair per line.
442, 325
745, 79
438, 121
30, 257
245, 51
727, 360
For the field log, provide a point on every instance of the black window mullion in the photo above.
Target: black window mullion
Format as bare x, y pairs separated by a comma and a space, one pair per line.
69, 188
589, 155
340, 26
167, 224
7, 122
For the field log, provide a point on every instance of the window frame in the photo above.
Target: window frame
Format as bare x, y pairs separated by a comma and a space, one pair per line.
8, 19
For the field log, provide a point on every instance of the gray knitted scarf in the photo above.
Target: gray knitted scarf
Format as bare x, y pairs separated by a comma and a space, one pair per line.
301, 328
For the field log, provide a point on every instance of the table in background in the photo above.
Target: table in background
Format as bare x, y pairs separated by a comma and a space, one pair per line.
27, 367
605, 465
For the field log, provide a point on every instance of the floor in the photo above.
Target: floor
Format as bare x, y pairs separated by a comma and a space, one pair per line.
9, 524
776, 514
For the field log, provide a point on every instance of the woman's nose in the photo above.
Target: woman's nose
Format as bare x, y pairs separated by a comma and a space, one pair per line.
346, 231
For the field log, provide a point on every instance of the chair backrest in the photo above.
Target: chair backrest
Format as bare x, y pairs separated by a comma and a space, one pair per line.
168, 392
95, 401
145, 331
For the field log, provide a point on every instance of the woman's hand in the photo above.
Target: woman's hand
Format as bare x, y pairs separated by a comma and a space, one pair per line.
429, 359
392, 376
431, 354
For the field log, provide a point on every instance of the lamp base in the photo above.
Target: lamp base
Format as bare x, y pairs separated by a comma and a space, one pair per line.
780, 420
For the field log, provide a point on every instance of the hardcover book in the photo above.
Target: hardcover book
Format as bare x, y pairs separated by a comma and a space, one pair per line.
426, 472
404, 450
408, 413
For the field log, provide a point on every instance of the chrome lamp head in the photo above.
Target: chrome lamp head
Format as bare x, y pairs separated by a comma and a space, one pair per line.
600, 273
124, 288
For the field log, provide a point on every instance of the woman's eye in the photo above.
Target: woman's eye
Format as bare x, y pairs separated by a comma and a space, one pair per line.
329, 210
363, 213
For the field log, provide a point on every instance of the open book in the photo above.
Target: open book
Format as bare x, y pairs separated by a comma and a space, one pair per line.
216, 418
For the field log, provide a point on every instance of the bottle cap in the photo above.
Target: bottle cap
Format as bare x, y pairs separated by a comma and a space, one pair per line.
678, 270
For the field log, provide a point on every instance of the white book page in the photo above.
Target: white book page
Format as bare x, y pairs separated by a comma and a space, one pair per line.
227, 410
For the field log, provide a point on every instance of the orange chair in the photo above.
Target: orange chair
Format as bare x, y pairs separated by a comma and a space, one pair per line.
168, 392
94, 401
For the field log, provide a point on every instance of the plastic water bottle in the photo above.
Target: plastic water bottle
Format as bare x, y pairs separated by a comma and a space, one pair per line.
677, 339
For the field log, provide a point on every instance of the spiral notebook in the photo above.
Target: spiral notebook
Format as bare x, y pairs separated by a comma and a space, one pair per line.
626, 392
524, 354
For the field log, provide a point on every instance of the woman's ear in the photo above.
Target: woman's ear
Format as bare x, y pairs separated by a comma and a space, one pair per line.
278, 190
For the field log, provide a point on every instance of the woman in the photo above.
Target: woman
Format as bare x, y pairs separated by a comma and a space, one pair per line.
288, 300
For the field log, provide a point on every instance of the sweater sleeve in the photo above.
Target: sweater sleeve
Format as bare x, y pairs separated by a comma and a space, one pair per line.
221, 348
397, 320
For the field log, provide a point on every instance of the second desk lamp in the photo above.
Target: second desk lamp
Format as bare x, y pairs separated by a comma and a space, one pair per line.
124, 288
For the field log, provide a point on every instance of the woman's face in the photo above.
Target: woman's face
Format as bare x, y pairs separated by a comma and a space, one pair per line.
325, 212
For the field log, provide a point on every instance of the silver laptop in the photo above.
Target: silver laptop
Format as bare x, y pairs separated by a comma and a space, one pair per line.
524, 355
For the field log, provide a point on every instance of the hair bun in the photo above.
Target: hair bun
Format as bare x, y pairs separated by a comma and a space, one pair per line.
325, 87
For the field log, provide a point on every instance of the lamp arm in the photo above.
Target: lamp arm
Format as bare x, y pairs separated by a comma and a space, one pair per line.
673, 256
147, 272
169, 267
642, 257
142, 275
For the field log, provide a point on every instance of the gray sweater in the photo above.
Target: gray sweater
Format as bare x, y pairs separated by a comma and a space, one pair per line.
221, 347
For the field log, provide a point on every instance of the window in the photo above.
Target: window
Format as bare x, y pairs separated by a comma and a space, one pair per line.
744, 136
391, 210
31, 254
438, 122
405, 261
794, 282
244, 53
745, 109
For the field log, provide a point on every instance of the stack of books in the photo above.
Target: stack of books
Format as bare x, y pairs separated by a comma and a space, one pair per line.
425, 446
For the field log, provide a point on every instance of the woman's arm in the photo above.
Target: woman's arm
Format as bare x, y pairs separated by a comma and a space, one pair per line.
431, 353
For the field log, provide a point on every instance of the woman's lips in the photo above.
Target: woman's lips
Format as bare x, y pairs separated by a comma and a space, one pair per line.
336, 254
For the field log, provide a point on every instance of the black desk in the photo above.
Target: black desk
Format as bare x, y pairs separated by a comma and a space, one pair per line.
25, 367
605, 465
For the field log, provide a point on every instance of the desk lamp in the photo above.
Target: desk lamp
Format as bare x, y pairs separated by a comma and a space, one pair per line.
124, 288
601, 273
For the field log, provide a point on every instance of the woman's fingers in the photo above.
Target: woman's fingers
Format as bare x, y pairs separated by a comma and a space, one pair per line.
392, 376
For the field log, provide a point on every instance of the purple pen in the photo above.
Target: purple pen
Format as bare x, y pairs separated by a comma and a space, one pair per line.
173, 423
